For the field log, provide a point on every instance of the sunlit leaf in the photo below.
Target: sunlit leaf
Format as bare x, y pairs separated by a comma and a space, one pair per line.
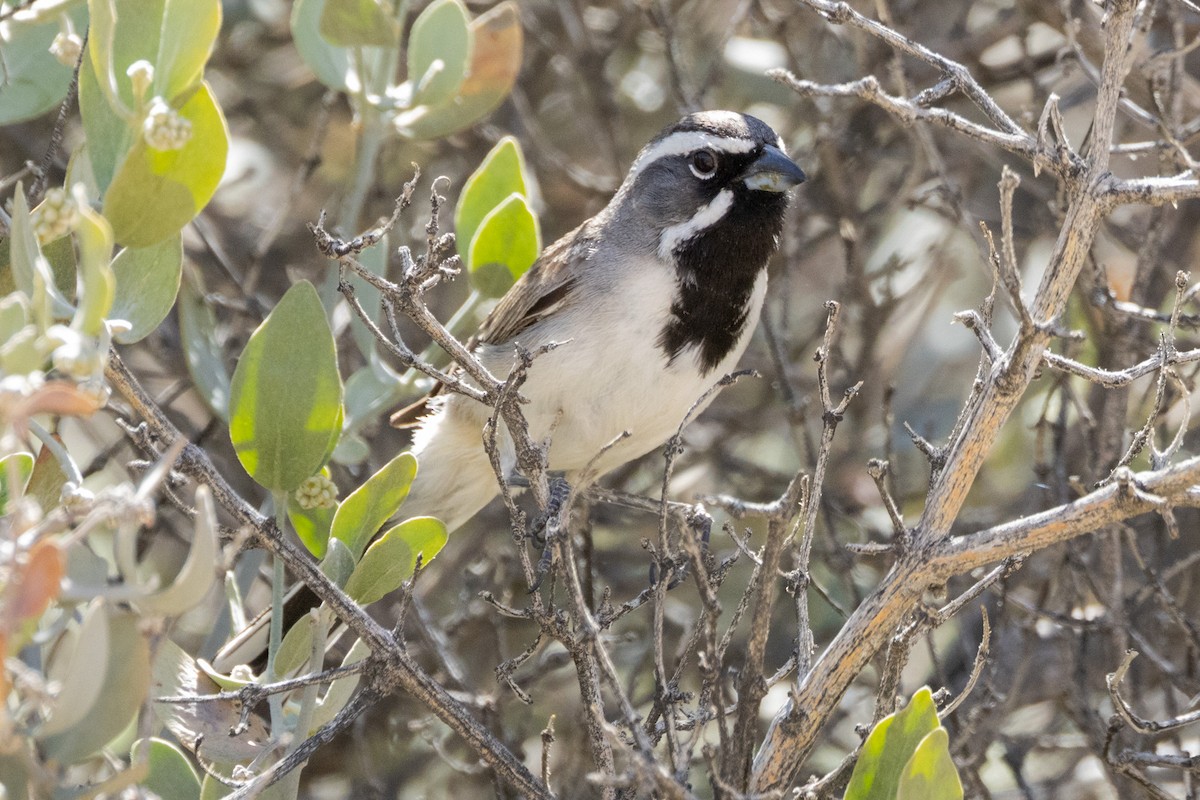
97, 283
392, 558
504, 248
15, 470
502, 173
890, 745
930, 774
286, 403
365, 510
156, 192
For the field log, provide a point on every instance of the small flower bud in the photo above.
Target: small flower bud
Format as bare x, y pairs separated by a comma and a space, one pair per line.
55, 216
141, 75
66, 48
317, 492
165, 128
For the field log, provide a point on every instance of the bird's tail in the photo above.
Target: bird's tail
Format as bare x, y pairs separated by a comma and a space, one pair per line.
454, 477
454, 481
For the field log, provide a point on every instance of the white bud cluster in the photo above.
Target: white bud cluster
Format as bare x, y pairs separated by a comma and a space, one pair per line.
55, 216
317, 492
165, 128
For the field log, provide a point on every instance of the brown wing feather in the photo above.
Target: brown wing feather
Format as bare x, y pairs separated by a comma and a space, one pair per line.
545, 287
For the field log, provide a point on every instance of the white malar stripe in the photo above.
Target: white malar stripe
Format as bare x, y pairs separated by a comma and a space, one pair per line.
684, 142
705, 218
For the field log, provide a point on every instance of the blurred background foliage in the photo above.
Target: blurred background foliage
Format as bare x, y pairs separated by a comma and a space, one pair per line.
887, 225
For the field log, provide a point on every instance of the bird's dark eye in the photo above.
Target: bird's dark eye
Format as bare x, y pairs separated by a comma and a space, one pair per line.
704, 163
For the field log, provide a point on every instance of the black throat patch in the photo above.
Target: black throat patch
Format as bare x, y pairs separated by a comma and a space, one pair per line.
716, 272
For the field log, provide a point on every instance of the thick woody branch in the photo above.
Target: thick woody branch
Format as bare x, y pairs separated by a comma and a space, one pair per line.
398, 671
793, 731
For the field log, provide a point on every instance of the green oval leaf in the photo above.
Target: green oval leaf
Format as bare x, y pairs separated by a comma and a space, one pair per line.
311, 525
930, 774
331, 64
201, 349
502, 173
72, 668
108, 134
156, 192
353, 23
126, 683
369, 506
34, 81
286, 396
171, 773
889, 747
392, 558
508, 236
147, 283
439, 50
496, 48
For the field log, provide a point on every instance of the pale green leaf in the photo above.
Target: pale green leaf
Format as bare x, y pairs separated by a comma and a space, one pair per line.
201, 349
147, 283
171, 773
439, 51
496, 51
188, 30
198, 572
286, 396
15, 470
33, 81
126, 683
392, 559
97, 283
331, 64
73, 668
108, 134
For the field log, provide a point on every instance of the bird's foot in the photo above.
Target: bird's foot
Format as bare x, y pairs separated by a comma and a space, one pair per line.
548, 528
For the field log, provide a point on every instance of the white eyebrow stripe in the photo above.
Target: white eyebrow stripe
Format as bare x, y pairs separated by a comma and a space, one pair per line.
707, 216
684, 142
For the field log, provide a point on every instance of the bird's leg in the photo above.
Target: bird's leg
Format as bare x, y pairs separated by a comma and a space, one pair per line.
548, 526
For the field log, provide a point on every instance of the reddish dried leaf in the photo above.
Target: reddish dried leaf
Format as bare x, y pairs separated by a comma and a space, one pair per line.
36, 583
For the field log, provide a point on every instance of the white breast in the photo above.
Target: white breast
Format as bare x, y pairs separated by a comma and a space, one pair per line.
612, 376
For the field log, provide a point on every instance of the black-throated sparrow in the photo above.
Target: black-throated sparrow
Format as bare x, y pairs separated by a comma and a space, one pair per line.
654, 299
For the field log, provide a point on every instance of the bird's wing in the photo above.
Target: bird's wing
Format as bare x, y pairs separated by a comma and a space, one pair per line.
546, 287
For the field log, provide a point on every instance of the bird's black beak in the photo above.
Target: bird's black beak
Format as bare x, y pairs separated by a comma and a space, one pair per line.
772, 171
